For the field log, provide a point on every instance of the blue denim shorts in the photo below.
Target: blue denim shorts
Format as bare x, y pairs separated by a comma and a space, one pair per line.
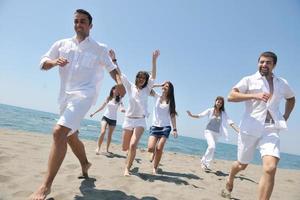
160, 131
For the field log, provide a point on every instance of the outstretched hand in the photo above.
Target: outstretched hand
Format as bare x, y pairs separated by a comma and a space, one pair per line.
189, 113
155, 54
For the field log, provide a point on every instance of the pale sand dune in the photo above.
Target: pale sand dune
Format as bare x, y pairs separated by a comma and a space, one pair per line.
23, 160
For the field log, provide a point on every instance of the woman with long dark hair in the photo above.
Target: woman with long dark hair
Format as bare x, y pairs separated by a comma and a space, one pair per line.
216, 126
136, 113
164, 114
109, 120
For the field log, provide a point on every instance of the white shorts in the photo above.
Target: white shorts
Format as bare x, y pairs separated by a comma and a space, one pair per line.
73, 110
130, 124
267, 144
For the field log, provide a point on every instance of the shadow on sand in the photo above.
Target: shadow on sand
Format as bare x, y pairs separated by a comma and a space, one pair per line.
171, 177
89, 192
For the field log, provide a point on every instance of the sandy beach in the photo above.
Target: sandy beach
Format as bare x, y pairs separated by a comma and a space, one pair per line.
23, 160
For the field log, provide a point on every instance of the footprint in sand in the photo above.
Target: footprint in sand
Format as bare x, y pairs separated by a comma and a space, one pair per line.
72, 166
4, 159
21, 194
290, 181
4, 179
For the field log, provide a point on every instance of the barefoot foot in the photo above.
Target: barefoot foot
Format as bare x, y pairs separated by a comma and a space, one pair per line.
126, 172
226, 193
41, 193
154, 171
85, 169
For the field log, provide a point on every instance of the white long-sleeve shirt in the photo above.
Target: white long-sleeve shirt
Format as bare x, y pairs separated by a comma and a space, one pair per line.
83, 74
224, 120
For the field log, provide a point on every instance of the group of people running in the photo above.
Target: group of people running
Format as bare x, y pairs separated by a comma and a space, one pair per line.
81, 62
164, 114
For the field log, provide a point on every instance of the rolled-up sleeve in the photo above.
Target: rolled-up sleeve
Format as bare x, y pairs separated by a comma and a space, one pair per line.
242, 85
287, 90
53, 53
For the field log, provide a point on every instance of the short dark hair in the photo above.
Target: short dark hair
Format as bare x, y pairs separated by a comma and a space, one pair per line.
269, 54
82, 11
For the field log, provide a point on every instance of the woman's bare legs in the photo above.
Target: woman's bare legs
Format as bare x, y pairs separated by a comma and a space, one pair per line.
101, 137
135, 138
109, 136
152, 141
158, 153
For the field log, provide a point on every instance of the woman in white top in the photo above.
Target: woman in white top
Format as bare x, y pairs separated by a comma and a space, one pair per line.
109, 119
135, 122
214, 129
164, 113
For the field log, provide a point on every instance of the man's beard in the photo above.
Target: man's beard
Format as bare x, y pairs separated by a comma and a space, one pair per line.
264, 72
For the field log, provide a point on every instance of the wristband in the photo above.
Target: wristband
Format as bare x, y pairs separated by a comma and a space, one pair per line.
114, 60
174, 129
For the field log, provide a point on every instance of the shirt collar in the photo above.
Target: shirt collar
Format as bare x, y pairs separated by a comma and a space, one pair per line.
87, 39
257, 75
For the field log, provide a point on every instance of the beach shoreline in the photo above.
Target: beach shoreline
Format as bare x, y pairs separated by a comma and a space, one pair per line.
24, 155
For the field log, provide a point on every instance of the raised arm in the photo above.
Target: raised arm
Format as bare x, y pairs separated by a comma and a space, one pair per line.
159, 85
116, 74
155, 55
289, 106
101, 108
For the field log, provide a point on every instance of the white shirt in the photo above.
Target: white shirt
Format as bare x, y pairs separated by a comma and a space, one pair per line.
224, 120
256, 110
161, 113
112, 109
83, 74
138, 98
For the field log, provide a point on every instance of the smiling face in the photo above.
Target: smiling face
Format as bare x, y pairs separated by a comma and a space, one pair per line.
165, 88
82, 25
219, 103
141, 79
266, 65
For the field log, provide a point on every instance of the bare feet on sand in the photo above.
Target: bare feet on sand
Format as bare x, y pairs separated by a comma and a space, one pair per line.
85, 169
126, 172
226, 193
154, 171
40, 194
97, 151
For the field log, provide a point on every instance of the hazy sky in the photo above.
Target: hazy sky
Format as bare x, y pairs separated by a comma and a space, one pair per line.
206, 48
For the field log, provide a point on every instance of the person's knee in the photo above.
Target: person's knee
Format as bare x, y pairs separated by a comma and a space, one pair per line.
211, 148
102, 134
59, 133
151, 149
242, 166
159, 149
133, 146
270, 168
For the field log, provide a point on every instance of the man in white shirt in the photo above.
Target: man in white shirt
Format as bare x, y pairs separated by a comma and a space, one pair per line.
262, 121
81, 61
